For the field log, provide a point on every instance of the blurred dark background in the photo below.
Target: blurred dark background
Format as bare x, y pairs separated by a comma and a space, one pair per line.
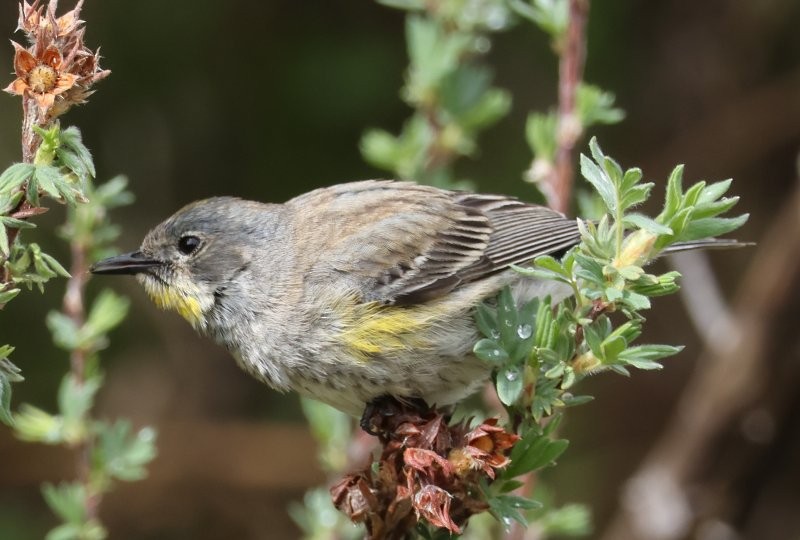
267, 100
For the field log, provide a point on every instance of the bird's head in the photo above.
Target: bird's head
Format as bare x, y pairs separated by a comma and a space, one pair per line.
188, 262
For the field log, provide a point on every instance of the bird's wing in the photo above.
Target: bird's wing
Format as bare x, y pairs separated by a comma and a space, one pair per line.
407, 243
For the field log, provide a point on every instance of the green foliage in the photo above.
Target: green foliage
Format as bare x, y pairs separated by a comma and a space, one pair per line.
63, 170
108, 310
121, 454
549, 15
8, 373
538, 352
448, 88
67, 500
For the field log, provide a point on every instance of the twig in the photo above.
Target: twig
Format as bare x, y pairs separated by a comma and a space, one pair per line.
557, 186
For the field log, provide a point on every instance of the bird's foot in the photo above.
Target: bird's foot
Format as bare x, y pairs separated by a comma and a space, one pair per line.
380, 412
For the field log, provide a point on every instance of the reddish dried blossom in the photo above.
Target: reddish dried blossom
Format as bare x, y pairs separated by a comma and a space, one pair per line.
427, 470
57, 70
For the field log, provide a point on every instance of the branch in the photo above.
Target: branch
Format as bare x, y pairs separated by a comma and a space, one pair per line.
557, 186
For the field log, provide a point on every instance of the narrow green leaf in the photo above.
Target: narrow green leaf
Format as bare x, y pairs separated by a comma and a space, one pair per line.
32, 191
5, 248
714, 191
674, 194
712, 227
549, 263
47, 177
693, 194
8, 295
534, 454
711, 209
636, 301
600, 181
67, 500
71, 138
15, 176
486, 321
54, 265
15, 223
73, 163
643, 222
76, 399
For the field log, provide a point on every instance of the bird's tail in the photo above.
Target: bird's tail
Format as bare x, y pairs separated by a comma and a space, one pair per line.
709, 243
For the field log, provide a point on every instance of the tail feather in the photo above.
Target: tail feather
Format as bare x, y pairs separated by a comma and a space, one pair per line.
709, 243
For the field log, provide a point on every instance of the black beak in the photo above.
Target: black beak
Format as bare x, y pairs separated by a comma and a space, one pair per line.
127, 263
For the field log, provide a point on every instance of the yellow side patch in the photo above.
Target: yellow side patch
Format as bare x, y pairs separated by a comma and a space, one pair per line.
376, 329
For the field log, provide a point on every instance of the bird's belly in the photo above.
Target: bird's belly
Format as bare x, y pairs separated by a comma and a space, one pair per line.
350, 386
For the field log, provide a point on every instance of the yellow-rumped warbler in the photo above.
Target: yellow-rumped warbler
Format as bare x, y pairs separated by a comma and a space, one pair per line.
351, 292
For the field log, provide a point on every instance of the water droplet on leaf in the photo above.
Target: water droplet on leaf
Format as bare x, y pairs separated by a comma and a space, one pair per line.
512, 375
524, 331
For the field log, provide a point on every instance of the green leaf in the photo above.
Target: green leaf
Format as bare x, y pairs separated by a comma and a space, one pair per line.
636, 195
7, 296
711, 209
648, 353
573, 401
490, 351
9, 373
549, 263
16, 176
15, 223
35, 425
485, 319
48, 177
124, 454
71, 138
54, 265
506, 508
64, 330
540, 132
32, 191
600, 181
550, 15
75, 399
594, 106
533, 452
674, 195
648, 224
108, 310
714, 191
711, 227
67, 501
73, 163
509, 384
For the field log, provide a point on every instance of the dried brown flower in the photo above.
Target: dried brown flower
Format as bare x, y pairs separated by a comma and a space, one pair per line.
427, 470
57, 70
40, 78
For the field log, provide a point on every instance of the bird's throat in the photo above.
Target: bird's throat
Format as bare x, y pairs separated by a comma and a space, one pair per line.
173, 298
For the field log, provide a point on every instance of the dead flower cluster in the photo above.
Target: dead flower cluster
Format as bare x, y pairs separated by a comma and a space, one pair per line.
427, 470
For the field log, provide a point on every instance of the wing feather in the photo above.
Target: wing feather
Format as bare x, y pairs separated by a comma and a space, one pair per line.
405, 243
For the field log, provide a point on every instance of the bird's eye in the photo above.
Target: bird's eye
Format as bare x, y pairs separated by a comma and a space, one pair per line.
188, 244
